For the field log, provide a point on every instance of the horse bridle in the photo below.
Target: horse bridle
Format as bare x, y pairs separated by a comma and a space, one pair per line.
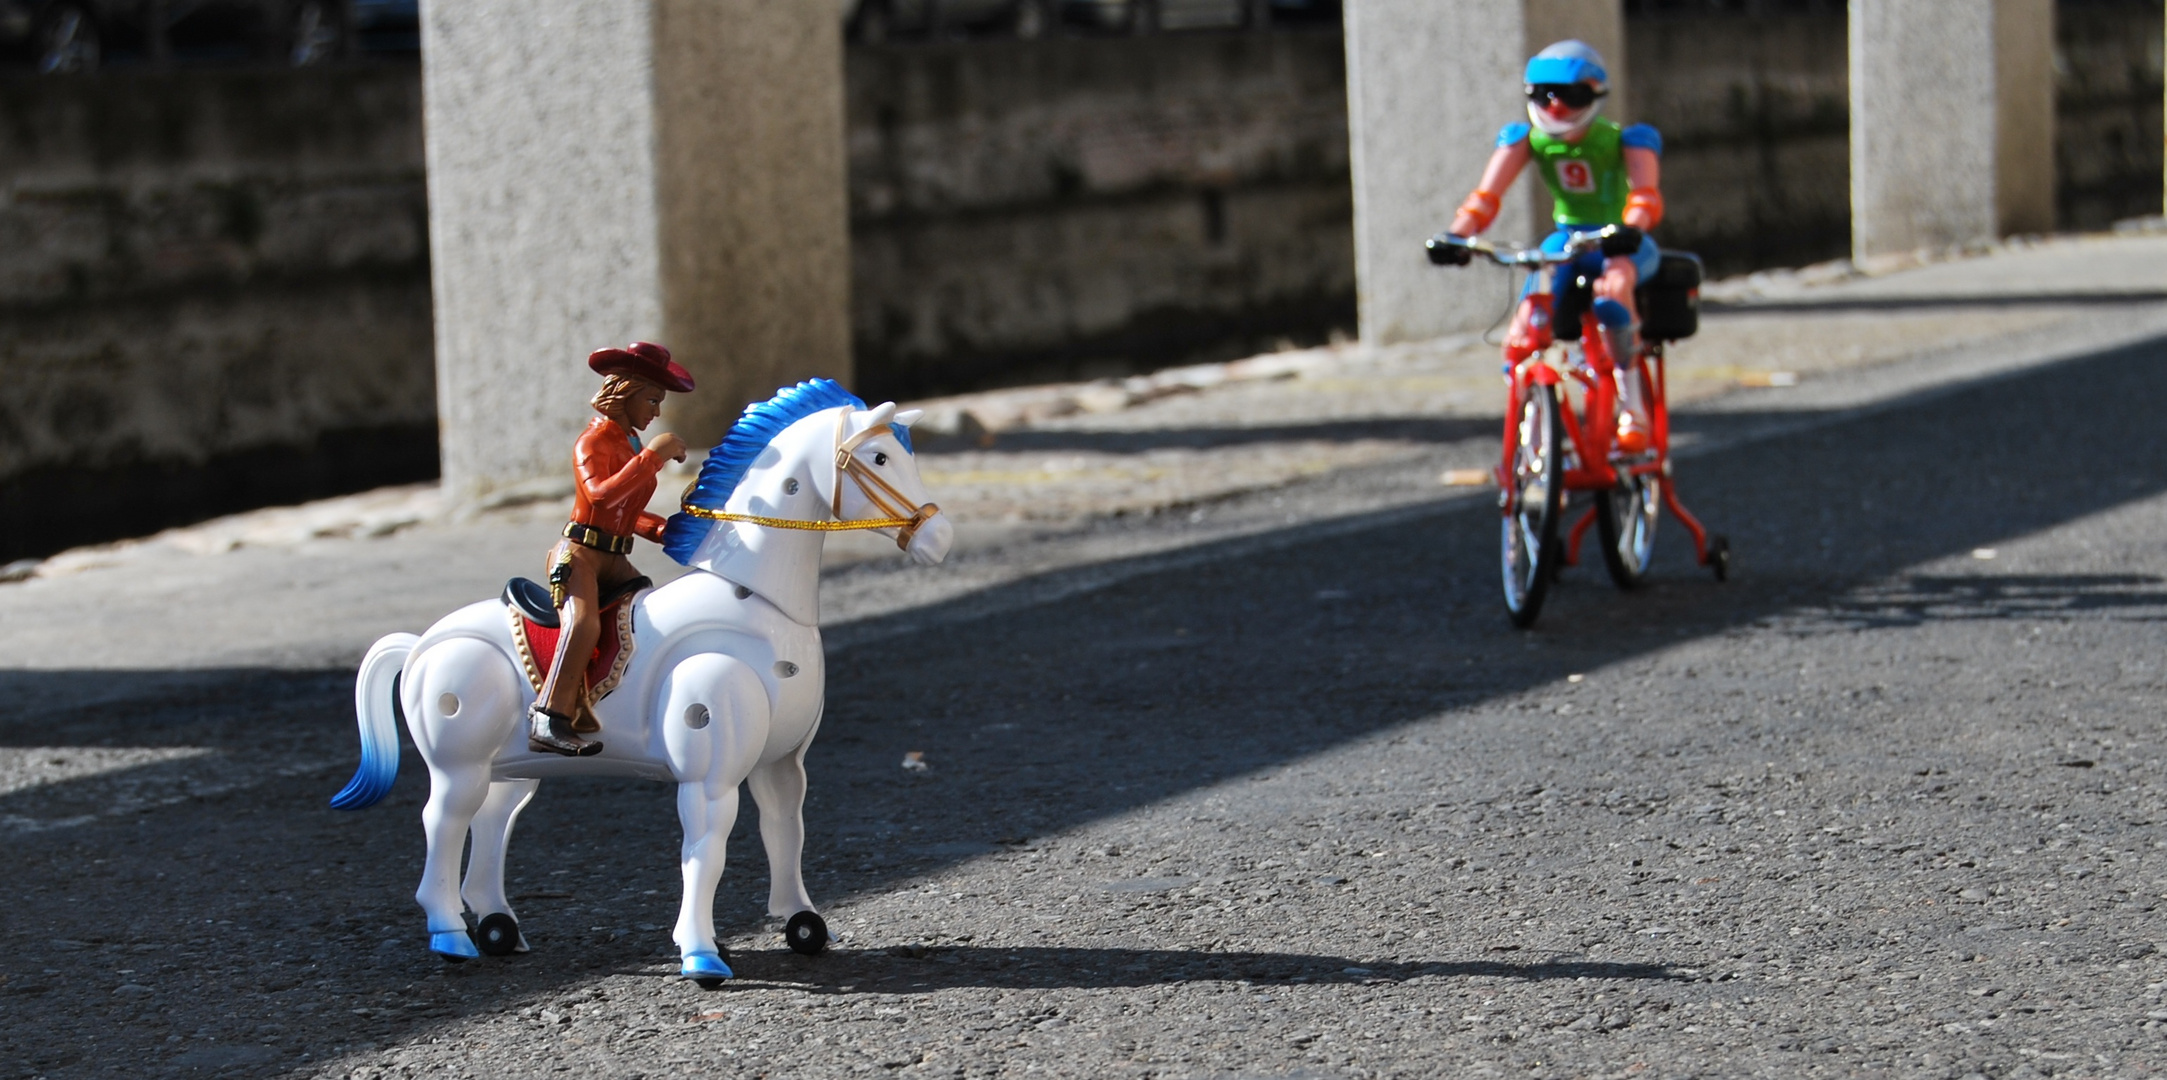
903, 515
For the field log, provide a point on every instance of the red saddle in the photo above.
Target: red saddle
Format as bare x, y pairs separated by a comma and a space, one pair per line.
535, 629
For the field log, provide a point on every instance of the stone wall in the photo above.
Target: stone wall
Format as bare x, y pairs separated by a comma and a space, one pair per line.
1755, 117
214, 294
2107, 136
1044, 209
1756, 122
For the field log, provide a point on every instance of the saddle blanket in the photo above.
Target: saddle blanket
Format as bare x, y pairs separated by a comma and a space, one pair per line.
605, 668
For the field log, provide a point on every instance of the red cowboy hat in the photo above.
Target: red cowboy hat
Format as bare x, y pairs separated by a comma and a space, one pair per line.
643, 360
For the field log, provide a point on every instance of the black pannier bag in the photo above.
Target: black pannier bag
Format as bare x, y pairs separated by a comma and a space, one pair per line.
1670, 300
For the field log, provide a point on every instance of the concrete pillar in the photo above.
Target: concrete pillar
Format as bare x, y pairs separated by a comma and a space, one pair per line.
608, 170
1952, 122
2024, 111
1429, 82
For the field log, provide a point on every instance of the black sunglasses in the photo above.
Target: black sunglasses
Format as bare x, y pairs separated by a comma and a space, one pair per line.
1574, 95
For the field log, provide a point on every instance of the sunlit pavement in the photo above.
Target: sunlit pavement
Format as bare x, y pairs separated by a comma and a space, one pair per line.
1236, 768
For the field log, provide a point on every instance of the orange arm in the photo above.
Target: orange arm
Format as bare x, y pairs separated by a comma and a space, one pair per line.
649, 526
1644, 177
597, 480
1480, 209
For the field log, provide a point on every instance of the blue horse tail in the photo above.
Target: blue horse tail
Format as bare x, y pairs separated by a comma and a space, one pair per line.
377, 710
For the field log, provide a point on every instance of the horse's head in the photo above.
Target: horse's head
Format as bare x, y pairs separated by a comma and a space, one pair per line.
810, 460
875, 478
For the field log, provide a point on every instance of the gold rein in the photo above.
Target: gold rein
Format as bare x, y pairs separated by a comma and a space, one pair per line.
846, 465
793, 523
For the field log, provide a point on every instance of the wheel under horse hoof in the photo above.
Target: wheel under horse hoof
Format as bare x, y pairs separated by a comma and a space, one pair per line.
723, 683
498, 935
807, 934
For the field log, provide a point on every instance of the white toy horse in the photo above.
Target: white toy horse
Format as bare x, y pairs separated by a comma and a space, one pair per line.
725, 683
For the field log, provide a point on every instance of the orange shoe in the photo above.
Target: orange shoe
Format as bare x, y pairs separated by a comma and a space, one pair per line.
1530, 332
1632, 434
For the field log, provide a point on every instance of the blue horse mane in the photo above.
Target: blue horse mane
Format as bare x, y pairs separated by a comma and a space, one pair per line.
727, 463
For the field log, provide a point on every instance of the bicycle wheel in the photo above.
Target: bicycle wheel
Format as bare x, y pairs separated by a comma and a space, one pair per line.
1529, 533
1626, 517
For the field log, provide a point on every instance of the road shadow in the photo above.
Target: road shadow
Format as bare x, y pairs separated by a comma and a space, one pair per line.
930, 969
1913, 599
256, 916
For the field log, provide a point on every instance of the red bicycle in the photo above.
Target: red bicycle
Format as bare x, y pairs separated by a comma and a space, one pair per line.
1553, 449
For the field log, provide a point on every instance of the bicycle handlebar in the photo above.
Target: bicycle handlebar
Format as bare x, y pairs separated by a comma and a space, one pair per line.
1610, 240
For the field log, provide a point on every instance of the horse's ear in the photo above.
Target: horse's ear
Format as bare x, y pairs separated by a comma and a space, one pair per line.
880, 414
907, 417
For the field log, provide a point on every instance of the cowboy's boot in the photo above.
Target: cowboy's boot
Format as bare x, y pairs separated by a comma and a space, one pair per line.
583, 719
550, 732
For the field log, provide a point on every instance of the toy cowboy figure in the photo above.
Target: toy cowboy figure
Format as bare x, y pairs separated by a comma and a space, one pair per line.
615, 477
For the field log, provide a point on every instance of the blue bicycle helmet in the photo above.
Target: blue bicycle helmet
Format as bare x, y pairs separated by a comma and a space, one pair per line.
1566, 83
1568, 62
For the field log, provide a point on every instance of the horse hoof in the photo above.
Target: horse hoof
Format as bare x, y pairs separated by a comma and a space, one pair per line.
453, 945
498, 935
706, 968
807, 933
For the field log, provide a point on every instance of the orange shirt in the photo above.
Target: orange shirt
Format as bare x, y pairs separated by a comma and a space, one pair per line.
614, 483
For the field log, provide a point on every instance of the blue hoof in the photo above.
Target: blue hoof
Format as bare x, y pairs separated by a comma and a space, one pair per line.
706, 966
453, 945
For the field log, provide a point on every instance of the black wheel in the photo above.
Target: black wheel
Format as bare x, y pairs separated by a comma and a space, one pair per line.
68, 41
1719, 557
1626, 516
1529, 546
497, 935
807, 933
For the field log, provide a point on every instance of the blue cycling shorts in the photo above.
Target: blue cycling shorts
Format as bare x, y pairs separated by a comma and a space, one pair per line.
1645, 260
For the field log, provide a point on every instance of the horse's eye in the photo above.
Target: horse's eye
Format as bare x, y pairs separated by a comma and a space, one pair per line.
880, 459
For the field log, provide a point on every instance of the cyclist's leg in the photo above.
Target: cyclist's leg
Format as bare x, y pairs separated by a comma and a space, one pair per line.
1622, 274
1554, 244
1621, 321
1530, 331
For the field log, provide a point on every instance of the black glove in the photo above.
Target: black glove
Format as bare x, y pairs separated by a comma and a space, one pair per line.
1622, 240
1447, 254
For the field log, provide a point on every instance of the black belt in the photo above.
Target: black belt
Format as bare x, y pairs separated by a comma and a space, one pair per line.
589, 536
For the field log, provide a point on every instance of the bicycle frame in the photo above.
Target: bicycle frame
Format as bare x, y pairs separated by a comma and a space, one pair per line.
1592, 442
1578, 447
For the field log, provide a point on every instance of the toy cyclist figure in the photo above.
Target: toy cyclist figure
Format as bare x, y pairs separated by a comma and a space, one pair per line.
1600, 174
614, 476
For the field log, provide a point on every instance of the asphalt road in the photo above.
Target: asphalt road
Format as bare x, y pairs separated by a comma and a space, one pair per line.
1294, 802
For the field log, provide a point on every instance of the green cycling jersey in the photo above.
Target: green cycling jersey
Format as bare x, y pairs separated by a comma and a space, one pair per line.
1586, 177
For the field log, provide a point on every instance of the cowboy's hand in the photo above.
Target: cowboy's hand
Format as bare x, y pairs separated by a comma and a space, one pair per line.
668, 445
